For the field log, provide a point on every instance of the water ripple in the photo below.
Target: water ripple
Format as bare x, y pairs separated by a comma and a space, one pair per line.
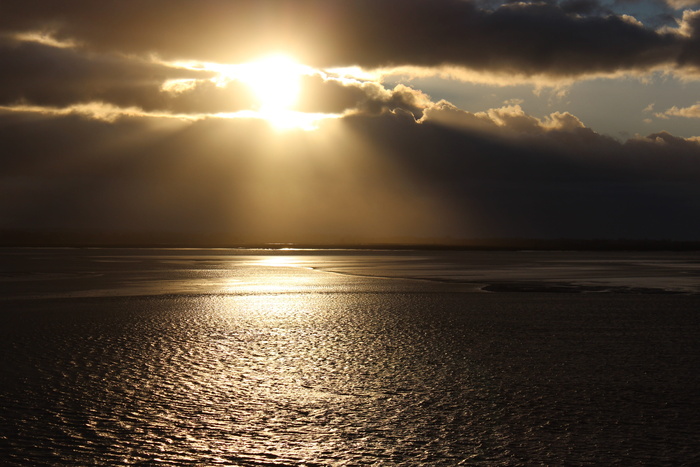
345, 378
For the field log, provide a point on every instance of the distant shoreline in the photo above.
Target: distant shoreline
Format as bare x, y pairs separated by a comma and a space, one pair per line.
158, 240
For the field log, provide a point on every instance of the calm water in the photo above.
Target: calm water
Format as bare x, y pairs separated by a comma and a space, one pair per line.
243, 357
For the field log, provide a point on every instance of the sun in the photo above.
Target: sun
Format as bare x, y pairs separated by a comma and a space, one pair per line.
275, 81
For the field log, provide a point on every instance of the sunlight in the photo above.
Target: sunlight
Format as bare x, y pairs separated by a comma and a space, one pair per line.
273, 274
279, 261
289, 119
275, 82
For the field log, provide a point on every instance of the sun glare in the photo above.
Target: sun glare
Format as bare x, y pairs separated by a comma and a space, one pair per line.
275, 83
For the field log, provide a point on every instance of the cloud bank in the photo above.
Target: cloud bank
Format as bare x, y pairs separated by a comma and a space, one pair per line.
528, 38
453, 174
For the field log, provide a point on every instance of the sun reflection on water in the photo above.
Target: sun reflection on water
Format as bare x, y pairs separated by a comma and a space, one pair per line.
273, 275
280, 261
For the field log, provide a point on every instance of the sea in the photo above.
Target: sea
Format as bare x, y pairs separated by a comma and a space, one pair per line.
273, 357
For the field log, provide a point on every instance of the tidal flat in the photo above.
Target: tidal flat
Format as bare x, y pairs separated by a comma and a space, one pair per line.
344, 357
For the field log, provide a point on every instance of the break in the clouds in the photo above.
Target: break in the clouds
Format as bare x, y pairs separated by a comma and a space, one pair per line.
151, 116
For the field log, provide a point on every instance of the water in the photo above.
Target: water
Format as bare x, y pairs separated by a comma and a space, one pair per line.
242, 357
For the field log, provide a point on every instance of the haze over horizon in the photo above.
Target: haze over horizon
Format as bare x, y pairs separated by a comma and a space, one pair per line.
359, 121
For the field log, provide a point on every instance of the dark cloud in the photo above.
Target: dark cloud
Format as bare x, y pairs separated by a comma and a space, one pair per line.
367, 98
562, 181
41, 75
239, 177
36, 74
691, 49
584, 7
570, 39
500, 173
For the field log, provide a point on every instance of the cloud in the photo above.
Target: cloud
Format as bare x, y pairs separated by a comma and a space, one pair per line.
678, 4
33, 73
510, 174
97, 111
509, 121
689, 28
584, 7
231, 176
64, 79
664, 139
576, 38
688, 112
499, 173
377, 100
331, 95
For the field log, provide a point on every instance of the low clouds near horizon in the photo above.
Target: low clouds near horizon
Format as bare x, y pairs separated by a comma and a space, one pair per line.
499, 174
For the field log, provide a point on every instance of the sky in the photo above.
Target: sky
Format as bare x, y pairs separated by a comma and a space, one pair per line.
342, 121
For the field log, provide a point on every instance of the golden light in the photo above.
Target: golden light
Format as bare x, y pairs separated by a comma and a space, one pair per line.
275, 81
